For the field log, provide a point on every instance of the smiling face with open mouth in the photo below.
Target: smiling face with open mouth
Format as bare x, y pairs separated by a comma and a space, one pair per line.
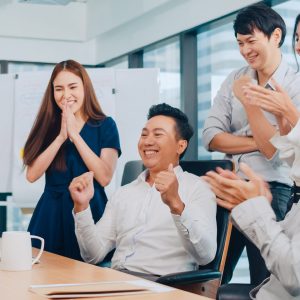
257, 49
68, 87
159, 144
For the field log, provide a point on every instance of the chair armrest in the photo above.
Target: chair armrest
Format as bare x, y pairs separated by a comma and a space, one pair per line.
189, 277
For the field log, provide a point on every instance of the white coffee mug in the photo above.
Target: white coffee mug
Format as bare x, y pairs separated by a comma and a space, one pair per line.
16, 252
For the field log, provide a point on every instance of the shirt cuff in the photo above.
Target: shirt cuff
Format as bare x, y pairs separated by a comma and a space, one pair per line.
248, 212
208, 134
83, 218
183, 221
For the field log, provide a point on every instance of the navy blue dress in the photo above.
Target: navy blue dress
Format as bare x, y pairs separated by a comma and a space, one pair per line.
52, 218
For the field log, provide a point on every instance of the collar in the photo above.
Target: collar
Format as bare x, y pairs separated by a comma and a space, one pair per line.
278, 75
142, 177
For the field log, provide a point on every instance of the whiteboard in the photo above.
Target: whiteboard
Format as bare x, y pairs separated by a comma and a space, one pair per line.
125, 95
6, 130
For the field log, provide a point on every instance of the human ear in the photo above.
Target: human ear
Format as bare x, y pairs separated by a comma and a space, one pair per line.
182, 145
276, 36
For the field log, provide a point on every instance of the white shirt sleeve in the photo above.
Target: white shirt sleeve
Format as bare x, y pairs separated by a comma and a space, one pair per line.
279, 247
197, 226
95, 240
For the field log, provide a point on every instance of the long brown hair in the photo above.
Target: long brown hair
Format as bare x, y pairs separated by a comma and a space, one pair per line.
47, 124
294, 40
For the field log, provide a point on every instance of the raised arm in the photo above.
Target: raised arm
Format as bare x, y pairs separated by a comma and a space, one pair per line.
218, 133
261, 128
279, 242
95, 240
195, 218
279, 246
277, 102
43, 161
104, 165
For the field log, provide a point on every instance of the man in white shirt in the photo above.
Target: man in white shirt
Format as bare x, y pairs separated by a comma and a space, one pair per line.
162, 222
278, 242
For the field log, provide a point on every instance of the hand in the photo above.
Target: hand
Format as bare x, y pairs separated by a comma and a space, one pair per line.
72, 127
238, 90
231, 190
167, 184
82, 191
276, 102
63, 134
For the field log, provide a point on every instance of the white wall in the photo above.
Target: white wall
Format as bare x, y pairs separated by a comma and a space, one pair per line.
166, 20
98, 30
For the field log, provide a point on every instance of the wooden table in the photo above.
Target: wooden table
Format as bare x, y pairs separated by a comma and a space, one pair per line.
55, 269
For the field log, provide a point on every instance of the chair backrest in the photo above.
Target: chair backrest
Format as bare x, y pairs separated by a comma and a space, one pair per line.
200, 167
132, 169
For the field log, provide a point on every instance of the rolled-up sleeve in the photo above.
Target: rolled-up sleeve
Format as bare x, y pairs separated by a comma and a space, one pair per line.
219, 117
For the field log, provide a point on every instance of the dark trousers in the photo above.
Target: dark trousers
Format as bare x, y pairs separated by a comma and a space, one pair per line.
258, 270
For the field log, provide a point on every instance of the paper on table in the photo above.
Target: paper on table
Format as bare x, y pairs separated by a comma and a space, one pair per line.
97, 289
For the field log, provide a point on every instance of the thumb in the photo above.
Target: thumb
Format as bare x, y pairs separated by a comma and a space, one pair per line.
277, 87
90, 176
170, 168
249, 172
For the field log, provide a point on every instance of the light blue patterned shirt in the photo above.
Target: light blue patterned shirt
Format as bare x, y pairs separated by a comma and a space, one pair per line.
228, 115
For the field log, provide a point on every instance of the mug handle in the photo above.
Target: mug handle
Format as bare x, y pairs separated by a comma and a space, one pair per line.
41, 250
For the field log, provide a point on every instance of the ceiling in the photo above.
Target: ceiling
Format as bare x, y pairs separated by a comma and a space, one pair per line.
47, 2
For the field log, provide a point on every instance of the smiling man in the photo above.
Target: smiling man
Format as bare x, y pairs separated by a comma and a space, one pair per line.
162, 222
242, 131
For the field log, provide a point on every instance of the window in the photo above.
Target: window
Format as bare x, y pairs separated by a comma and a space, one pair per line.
16, 67
166, 57
289, 11
121, 63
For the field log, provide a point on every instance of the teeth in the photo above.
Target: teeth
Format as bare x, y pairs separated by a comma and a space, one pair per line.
150, 152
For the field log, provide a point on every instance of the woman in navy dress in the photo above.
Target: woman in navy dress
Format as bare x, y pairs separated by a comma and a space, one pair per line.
71, 135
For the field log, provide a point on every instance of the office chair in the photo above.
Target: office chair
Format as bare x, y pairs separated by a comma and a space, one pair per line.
207, 279
132, 169
234, 291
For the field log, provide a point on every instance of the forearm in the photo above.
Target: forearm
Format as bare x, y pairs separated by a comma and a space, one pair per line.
93, 247
231, 144
103, 170
292, 115
199, 243
283, 125
197, 226
43, 161
262, 131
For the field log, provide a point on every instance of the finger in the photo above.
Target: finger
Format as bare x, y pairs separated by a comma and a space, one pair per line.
225, 204
258, 89
226, 182
226, 173
90, 176
249, 172
220, 190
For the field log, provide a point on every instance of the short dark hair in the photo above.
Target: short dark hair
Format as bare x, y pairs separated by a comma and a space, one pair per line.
183, 129
294, 38
259, 16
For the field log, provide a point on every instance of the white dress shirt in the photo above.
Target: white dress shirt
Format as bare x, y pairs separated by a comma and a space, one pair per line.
289, 150
147, 237
279, 244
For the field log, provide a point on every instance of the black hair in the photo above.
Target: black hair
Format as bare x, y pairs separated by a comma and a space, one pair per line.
183, 129
294, 38
259, 16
